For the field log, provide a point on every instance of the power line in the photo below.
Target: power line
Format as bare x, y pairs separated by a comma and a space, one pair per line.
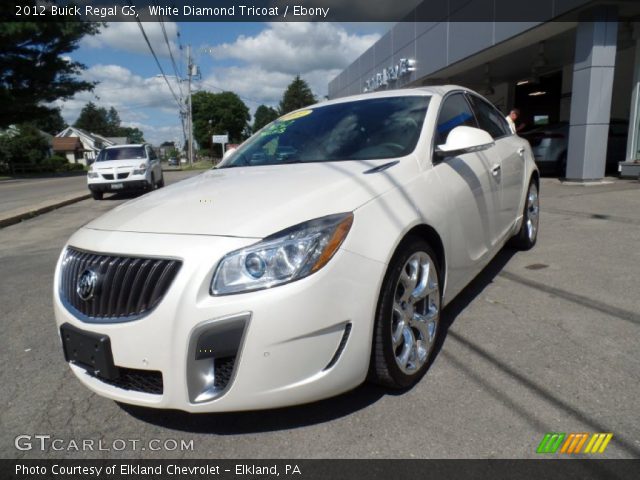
144, 34
173, 61
250, 100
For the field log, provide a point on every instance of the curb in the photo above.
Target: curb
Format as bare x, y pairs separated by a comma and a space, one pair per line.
34, 212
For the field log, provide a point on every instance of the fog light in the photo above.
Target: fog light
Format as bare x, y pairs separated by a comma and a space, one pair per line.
214, 348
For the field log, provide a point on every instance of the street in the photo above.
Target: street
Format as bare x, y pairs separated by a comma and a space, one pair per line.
542, 341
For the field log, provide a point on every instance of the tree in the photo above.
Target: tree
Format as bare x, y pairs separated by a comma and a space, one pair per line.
218, 114
297, 95
24, 146
134, 134
105, 122
93, 119
34, 66
52, 122
263, 116
113, 123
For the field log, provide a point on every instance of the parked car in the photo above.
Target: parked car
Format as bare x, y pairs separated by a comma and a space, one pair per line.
550, 145
258, 286
125, 167
173, 162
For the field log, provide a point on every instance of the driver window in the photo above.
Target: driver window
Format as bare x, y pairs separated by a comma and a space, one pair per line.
455, 111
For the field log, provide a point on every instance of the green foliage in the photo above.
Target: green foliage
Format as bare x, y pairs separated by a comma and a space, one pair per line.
94, 119
218, 114
297, 95
34, 67
105, 122
26, 146
51, 122
58, 163
263, 116
134, 134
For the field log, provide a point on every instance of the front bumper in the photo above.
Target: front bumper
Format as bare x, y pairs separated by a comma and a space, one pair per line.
292, 347
119, 186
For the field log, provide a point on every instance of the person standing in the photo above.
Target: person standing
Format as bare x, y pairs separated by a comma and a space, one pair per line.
514, 114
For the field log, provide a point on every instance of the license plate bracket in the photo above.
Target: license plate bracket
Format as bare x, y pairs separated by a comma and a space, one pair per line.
88, 350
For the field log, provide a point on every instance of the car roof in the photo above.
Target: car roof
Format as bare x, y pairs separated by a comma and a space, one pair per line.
128, 145
437, 90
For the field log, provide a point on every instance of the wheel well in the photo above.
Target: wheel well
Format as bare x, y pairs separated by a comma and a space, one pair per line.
432, 237
535, 176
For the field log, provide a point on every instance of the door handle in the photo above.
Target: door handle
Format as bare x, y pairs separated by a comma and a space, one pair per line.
521, 151
495, 170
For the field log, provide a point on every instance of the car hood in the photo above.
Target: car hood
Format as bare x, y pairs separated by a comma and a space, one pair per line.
254, 202
111, 164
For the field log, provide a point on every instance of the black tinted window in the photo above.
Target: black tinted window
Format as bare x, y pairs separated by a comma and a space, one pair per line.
358, 130
455, 111
489, 118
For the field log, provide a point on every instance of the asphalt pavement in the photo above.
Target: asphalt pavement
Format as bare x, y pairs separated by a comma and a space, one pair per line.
542, 341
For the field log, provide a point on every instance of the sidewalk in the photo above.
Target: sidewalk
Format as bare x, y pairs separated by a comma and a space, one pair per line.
17, 215
26, 197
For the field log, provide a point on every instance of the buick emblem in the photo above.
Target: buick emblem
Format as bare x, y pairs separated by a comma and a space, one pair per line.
87, 285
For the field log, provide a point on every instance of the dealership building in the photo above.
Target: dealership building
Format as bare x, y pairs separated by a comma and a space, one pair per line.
578, 62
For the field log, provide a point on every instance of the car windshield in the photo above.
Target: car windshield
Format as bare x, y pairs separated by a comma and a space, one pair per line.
121, 153
359, 130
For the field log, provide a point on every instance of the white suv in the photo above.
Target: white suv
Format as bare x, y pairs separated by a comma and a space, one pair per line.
125, 167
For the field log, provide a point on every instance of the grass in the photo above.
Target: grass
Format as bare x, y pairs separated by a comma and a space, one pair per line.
201, 165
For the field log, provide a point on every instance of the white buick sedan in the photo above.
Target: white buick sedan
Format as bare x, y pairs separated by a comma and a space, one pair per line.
317, 255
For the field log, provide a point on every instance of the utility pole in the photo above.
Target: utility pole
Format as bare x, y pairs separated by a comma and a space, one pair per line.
190, 68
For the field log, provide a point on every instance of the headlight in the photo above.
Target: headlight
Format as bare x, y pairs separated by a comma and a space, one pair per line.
140, 170
286, 256
92, 174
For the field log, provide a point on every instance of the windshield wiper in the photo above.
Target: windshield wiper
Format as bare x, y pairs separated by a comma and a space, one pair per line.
381, 168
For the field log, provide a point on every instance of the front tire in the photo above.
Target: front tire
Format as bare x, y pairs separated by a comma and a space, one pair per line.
407, 317
527, 237
97, 195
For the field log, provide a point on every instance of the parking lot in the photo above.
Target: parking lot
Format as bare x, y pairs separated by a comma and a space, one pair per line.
542, 341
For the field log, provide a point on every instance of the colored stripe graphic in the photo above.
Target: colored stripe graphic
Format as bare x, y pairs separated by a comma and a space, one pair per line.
573, 443
598, 442
550, 443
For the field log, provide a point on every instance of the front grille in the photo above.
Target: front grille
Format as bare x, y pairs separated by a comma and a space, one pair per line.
123, 175
146, 381
108, 176
124, 288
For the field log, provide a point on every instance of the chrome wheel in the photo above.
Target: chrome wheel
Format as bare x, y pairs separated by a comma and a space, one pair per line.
533, 212
415, 313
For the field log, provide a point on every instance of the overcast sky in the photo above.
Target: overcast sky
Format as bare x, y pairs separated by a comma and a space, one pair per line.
255, 60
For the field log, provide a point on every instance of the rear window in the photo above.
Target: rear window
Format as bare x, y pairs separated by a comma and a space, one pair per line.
122, 153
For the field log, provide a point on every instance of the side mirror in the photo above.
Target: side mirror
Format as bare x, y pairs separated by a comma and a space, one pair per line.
229, 152
464, 140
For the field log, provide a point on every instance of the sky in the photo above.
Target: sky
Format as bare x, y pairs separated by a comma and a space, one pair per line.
255, 60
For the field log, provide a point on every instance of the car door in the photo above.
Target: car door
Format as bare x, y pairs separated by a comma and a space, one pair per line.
473, 193
507, 162
154, 164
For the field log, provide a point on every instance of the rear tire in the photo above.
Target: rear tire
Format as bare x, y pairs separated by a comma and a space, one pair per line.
97, 195
161, 181
527, 237
407, 318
